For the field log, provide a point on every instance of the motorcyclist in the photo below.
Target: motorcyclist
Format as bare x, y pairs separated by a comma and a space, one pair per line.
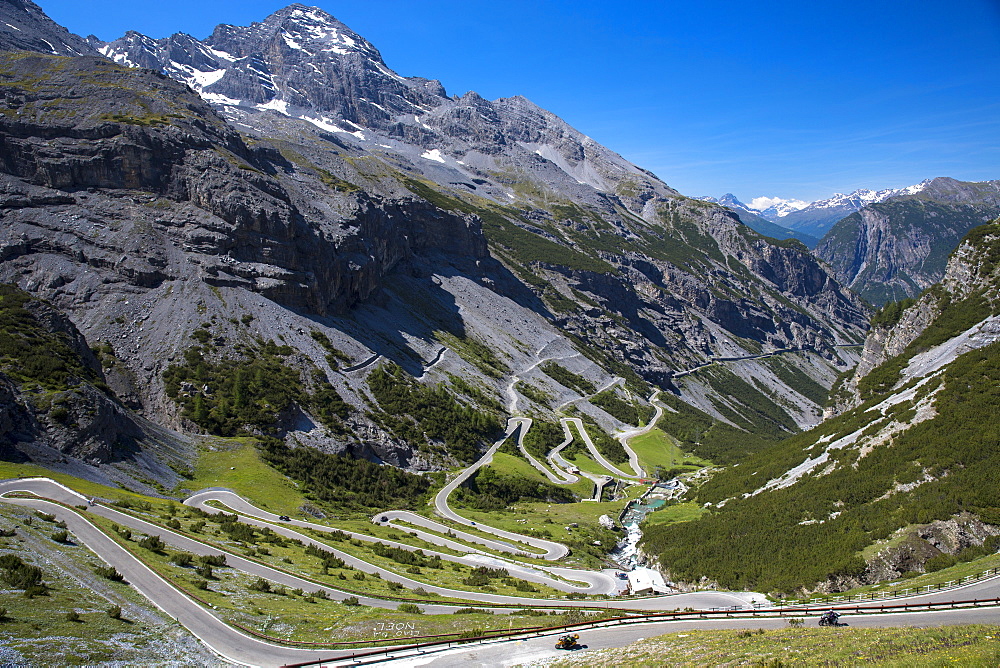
830, 617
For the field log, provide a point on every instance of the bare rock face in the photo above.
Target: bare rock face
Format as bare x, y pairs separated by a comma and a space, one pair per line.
15, 419
108, 199
206, 193
299, 56
25, 27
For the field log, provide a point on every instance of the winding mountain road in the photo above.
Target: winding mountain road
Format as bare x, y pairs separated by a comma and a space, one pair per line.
595, 453
566, 469
45, 488
240, 647
552, 550
223, 639
623, 438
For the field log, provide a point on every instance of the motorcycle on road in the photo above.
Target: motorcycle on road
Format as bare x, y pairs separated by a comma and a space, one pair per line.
831, 618
570, 642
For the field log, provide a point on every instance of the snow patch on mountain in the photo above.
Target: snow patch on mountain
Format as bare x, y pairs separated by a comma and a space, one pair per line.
292, 44
119, 58
279, 106
864, 197
198, 79
222, 55
433, 154
913, 190
324, 123
216, 98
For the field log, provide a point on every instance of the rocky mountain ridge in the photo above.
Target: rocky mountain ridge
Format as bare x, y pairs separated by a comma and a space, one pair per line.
327, 236
809, 221
303, 63
25, 27
818, 217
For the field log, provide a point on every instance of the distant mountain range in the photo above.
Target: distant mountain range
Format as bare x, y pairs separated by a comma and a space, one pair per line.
755, 220
886, 245
818, 217
806, 221
894, 248
773, 208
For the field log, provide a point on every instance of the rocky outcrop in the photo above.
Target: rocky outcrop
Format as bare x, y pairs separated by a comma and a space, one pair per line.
63, 407
16, 424
299, 57
25, 27
206, 193
911, 551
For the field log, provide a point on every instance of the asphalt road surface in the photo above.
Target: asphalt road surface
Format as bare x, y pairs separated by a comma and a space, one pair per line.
512, 653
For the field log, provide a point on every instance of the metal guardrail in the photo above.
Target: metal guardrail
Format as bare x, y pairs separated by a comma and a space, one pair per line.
376, 656
905, 592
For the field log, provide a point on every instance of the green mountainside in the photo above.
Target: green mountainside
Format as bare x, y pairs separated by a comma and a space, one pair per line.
899, 482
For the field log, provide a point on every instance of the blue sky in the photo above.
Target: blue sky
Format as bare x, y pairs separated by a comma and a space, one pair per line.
759, 98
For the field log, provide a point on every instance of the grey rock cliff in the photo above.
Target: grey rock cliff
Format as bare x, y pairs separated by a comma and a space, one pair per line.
25, 27
221, 201
968, 272
894, 249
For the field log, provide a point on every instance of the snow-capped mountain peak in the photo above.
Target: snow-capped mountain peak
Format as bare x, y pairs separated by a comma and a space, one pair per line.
913, 190
731, 200
313, 31
814, 218
863, 197
300, 61
856, 199
773, 208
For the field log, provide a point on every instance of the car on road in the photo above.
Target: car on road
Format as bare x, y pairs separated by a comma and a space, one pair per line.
284, 518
